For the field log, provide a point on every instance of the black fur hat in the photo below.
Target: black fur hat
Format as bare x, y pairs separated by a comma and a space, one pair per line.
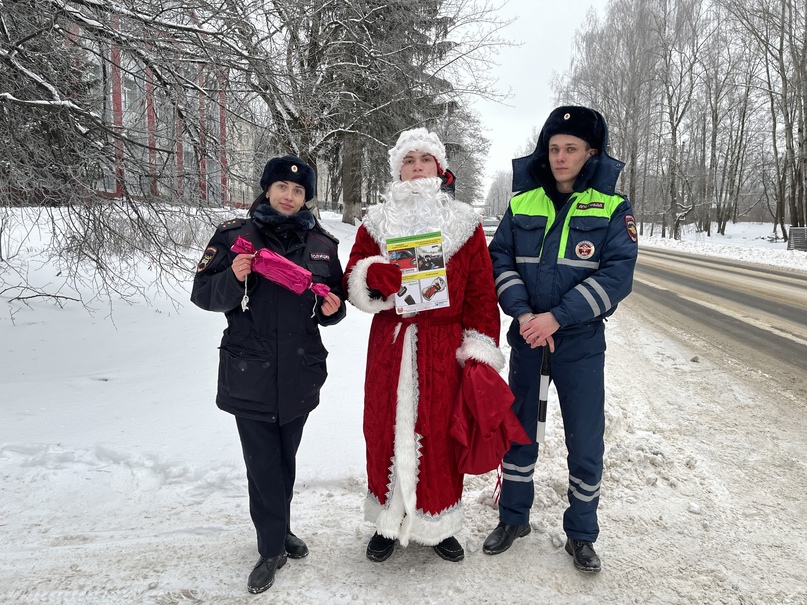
290, 168
580, 122
600, 171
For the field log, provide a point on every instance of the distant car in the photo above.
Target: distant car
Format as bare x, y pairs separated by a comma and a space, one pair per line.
405, 259
489, 225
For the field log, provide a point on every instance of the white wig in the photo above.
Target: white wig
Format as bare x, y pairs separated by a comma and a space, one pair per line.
416, 139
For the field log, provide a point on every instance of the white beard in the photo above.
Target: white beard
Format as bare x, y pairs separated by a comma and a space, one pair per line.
412, 207
419, 206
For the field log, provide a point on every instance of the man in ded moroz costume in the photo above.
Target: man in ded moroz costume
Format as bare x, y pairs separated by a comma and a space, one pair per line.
415, 360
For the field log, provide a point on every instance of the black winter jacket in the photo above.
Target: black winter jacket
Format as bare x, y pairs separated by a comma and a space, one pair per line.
271, 358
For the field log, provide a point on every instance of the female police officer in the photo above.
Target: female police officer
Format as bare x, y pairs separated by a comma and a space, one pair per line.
272, 360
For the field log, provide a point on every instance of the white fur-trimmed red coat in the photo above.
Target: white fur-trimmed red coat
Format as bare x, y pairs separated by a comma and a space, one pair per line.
412, 379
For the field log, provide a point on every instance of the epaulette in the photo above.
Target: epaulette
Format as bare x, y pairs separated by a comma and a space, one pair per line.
325, 232
231, 224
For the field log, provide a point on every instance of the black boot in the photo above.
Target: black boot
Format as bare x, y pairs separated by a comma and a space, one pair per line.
380, 548
502, 538
585, 559
263, 576
450, 550
295, 548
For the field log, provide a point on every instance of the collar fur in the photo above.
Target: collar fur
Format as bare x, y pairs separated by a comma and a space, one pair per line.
266, 216
456, 221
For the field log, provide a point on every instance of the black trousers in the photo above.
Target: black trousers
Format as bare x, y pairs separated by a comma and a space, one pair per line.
270, 452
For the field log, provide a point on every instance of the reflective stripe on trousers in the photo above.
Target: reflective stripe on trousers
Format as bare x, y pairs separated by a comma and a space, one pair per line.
578, 375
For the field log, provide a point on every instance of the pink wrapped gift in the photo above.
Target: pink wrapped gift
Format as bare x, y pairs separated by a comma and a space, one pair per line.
279, 269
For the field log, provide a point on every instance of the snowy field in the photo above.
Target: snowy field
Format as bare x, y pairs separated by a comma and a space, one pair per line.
123, 484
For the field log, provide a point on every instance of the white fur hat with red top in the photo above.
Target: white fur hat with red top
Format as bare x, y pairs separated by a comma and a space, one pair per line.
416, 139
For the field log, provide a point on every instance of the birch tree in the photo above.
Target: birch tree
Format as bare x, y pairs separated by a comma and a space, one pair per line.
777, 27
500, 192
613, 71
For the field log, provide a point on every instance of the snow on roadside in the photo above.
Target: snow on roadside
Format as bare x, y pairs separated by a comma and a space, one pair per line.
743, 242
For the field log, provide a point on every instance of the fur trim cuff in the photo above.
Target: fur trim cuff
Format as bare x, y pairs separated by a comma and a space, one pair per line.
359, 293
482, 348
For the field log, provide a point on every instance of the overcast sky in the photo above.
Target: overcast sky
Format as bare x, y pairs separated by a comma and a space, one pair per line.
545, 29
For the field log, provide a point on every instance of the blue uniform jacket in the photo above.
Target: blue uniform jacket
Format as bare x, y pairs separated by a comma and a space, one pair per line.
576, 263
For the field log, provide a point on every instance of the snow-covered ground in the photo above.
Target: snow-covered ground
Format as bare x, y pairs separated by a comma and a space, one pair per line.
122, 483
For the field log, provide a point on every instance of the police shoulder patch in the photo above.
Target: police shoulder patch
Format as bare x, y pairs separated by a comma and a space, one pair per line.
630, 225
207, 257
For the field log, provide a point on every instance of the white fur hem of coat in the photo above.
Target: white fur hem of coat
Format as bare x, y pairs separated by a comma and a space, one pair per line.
426, 529
480, 347
401, 518
359, 293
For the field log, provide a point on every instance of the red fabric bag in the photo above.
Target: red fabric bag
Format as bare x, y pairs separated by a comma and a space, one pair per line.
484, 426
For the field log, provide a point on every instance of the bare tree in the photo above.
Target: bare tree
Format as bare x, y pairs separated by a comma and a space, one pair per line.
777, 27
111, 114
613, 71
500, 192
139, 118
679, 42
358, 72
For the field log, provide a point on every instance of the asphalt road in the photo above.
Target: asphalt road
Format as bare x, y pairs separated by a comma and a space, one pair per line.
753, 316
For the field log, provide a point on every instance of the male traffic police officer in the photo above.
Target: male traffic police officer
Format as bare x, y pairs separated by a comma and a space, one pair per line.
563, 257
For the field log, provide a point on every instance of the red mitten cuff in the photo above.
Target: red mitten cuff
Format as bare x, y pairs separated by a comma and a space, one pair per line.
384, 277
